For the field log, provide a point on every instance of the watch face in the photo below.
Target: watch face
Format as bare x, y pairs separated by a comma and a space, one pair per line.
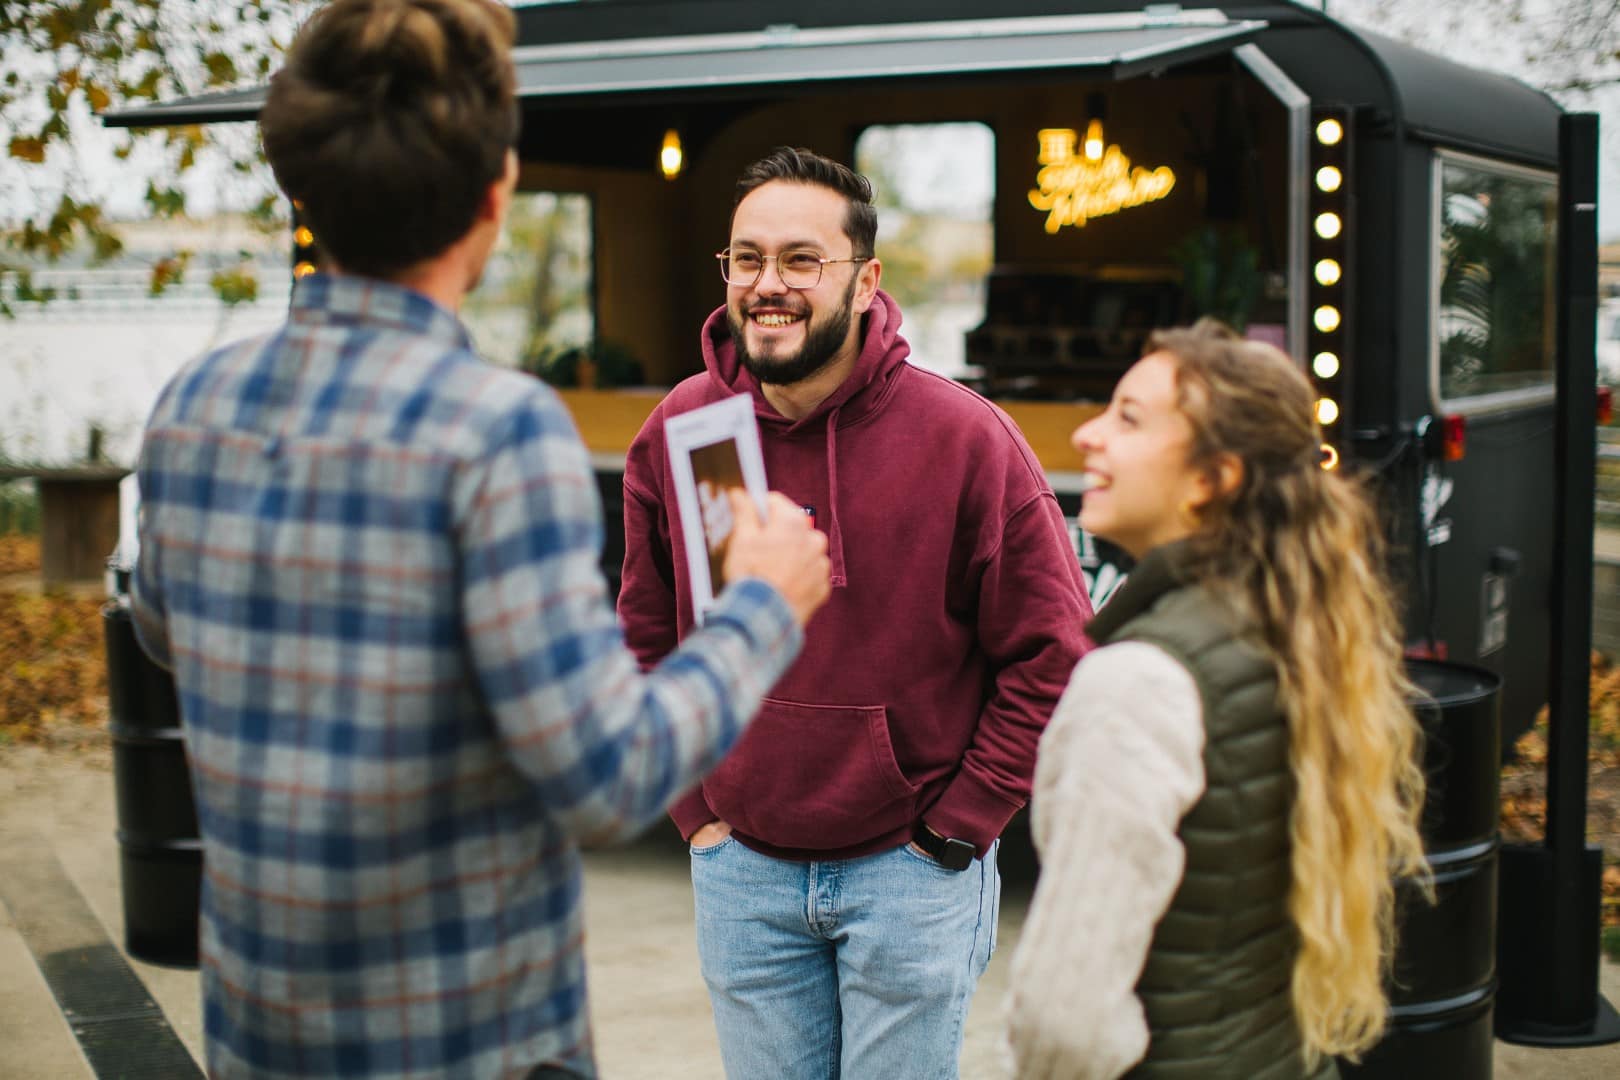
956, 855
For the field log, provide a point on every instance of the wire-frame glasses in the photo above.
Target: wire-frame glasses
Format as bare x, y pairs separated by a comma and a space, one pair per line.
799, 268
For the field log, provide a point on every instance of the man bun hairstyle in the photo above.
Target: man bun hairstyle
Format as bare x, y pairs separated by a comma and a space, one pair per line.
389, 121
800, 166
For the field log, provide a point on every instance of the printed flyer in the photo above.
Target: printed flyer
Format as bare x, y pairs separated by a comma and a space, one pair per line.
712, 450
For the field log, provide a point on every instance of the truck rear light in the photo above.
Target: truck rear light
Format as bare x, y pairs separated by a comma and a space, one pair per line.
1454, 437
1427, 650
1605, 404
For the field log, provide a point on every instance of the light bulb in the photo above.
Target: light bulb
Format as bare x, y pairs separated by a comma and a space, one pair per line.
670, 156
1094, 141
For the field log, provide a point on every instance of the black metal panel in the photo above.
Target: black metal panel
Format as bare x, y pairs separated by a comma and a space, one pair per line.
795, 56
220, 107
1427, 97
617, 20
120, 1028
1502, 500
1552, 894
1467, 107
1447, 102
1575, 473
776, 60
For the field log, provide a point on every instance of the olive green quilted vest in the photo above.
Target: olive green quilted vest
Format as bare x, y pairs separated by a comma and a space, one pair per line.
1216, 985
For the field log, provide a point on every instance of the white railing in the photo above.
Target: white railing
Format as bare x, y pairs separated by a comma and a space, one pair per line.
121, 292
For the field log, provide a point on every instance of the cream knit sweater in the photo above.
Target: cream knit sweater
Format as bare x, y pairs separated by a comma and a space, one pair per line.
1120, 764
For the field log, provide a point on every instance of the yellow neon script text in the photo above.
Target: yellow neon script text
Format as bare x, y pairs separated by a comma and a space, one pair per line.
1074, 189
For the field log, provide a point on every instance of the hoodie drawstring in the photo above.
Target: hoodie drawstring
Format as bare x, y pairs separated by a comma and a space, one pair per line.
835, 537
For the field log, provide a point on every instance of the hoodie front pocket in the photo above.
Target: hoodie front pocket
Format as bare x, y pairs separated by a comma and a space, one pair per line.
813, 776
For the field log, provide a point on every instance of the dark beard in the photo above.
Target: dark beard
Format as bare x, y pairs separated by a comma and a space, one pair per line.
820, 346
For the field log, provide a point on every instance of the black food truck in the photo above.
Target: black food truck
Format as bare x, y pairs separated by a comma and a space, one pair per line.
1419, 234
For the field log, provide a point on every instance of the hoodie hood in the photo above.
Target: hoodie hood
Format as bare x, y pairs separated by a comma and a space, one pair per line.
883, 350
870, 384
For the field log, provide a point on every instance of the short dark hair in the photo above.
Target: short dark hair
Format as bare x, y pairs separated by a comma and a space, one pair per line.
389, 121
800, 166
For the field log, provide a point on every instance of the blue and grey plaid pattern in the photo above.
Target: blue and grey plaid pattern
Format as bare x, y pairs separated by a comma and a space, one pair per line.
371, 561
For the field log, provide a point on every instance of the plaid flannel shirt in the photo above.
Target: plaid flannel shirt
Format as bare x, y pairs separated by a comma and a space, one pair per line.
370, 560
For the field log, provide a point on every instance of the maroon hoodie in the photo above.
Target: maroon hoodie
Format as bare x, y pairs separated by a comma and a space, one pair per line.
955, 618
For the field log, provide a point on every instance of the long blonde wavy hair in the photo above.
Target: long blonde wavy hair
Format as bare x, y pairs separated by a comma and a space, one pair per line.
1299, 549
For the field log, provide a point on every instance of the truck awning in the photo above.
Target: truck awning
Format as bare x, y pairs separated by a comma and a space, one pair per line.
1116, 46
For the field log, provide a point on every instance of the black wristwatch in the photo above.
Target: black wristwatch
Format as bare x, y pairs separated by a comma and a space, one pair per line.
949, 852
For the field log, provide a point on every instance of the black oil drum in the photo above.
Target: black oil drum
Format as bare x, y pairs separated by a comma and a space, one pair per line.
1443, 986
160, 852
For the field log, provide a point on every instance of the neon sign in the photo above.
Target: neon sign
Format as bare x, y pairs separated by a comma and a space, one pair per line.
1076, 187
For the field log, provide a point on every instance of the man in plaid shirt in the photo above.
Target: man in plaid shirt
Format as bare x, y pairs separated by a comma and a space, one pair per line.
371, 562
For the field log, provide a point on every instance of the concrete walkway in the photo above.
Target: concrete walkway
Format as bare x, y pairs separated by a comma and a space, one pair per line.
651, 1012
1606, 544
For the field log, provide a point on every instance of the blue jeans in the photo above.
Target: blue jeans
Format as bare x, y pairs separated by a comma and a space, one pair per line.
855, 968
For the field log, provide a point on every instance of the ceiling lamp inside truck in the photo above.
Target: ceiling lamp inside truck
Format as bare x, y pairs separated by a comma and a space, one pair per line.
671, 157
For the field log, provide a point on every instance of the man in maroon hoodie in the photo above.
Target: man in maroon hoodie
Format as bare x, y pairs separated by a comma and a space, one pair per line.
843, 856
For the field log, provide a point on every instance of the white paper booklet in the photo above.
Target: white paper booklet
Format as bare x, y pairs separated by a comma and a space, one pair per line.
713, 449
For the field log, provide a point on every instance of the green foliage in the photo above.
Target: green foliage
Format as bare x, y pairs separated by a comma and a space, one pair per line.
170, 270
1566, 49
600, 366
1494, 303
24, 290
1220, 274
19, 508
66, 57
236, 285
165, 202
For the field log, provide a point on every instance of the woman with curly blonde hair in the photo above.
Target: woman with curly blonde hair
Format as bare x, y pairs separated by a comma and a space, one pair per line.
1231, 781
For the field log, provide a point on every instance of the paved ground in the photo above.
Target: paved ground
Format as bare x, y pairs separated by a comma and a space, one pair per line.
651, 1012
1606, 544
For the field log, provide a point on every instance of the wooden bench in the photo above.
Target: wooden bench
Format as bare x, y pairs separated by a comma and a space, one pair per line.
78, 513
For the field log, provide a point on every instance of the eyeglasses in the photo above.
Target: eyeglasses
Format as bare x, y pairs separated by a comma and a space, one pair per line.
798, 268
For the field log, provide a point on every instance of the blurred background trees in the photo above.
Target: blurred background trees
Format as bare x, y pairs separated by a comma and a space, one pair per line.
66, 178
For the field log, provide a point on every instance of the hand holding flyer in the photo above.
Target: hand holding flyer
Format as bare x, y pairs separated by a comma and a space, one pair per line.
712, 450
